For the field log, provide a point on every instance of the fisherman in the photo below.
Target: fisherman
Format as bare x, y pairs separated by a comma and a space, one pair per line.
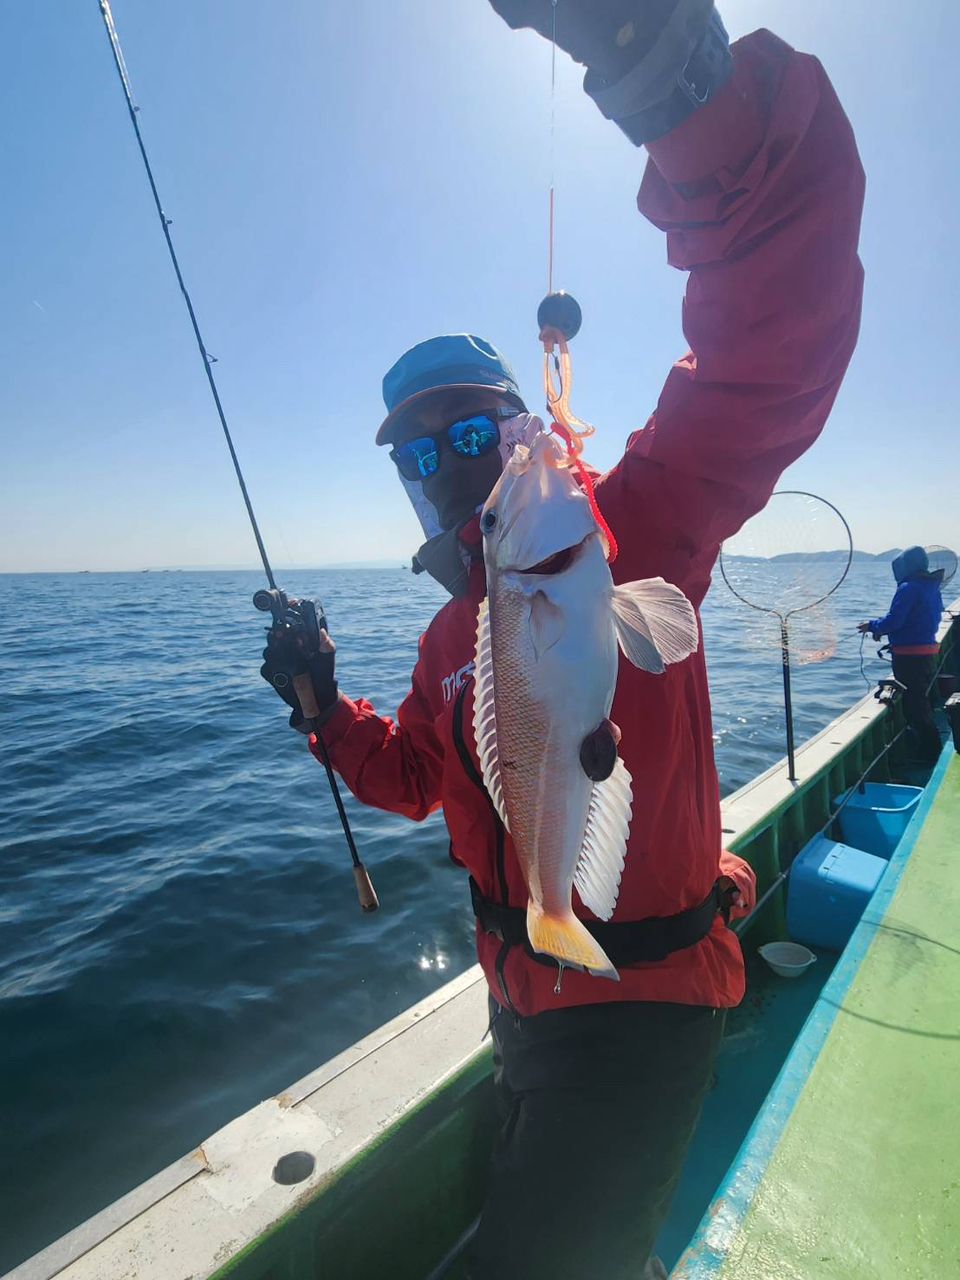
911, 624
753, 174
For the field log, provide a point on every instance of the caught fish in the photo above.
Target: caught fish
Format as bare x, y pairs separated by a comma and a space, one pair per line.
546, 669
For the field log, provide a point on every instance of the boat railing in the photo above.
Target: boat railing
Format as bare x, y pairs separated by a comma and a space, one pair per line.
769, 819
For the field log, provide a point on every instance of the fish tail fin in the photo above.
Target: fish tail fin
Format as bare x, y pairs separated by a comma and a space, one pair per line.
566, 939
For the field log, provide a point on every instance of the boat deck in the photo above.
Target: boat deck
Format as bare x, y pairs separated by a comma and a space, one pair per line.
852, 1168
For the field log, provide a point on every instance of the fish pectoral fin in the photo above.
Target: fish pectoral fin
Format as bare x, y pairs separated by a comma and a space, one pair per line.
567, 940
656, 623
547, 623
484, 715
600, 865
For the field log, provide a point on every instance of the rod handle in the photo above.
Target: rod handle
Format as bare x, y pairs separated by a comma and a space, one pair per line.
303, 688
365, 890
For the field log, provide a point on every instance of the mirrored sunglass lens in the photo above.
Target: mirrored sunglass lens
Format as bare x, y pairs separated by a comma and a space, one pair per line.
474, 436
417, 459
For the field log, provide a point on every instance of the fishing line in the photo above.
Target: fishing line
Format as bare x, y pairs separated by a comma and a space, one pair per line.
553, 126
559, 318
274, 600
866, 679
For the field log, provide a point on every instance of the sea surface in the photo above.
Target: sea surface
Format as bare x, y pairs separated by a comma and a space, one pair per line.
179, 932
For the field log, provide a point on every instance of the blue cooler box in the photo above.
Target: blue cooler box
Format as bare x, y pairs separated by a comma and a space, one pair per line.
829, 886
875, 817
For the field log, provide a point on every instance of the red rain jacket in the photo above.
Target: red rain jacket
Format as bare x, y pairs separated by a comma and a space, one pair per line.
760, 196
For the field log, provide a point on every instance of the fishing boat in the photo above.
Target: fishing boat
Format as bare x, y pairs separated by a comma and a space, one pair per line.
826, 1146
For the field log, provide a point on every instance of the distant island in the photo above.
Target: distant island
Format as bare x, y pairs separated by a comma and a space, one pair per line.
791, 557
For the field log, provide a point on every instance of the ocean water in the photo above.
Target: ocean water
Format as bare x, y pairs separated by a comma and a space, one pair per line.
179, 932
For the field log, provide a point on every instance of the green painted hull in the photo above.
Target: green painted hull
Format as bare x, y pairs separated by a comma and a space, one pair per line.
425, 1176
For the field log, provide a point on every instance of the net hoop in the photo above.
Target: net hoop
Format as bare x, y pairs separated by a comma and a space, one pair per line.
802, 608
936, 550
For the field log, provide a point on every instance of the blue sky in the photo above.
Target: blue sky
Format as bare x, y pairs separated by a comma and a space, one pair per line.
346, 179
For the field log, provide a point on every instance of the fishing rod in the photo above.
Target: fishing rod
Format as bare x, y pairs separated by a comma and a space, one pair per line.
300, 620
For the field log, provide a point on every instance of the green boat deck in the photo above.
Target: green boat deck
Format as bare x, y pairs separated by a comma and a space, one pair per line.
852, 1168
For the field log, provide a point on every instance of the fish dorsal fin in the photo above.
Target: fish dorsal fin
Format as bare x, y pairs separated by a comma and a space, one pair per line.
600, 866
484, 714
656, 623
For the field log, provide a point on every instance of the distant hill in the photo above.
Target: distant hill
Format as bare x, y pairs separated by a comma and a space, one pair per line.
789, 556
792, 557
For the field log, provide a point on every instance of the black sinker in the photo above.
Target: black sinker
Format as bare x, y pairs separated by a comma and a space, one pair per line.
598, 752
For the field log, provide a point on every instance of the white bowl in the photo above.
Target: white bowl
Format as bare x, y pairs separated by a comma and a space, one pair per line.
788, 959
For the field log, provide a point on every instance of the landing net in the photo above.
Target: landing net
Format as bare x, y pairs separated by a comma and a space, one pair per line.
787, 562
785, 565
942, 558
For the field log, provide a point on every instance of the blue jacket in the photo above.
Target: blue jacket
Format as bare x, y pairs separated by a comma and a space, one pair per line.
915, 612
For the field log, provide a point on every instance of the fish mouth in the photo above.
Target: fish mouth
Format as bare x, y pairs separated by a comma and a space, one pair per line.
559, 562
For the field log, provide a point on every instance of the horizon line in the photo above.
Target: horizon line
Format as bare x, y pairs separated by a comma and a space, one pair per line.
217, 568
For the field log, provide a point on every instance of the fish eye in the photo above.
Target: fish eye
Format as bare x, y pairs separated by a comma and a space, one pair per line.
489, 521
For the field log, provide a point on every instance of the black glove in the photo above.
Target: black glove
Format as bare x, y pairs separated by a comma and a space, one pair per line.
650, 63
293, 652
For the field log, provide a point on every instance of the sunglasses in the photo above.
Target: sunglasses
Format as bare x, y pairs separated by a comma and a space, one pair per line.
472, 437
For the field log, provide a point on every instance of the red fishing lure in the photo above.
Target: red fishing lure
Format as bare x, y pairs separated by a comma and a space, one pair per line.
568, 426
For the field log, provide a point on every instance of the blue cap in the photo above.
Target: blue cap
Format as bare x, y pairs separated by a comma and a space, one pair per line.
454, 361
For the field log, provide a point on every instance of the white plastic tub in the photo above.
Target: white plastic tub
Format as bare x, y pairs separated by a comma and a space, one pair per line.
788, 959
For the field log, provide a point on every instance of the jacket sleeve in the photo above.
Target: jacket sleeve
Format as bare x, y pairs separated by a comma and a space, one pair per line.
392, 766
760, 195
901, 607
741, 872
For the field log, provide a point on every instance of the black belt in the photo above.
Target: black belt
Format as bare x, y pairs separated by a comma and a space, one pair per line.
626, 943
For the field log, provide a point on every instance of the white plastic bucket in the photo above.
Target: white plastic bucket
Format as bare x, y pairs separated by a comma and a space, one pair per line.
788, 959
